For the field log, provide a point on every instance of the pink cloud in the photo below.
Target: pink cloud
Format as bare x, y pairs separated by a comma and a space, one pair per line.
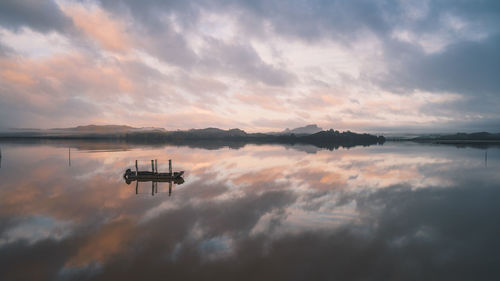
98, 25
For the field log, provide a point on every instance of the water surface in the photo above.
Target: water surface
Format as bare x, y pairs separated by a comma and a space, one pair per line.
400, 211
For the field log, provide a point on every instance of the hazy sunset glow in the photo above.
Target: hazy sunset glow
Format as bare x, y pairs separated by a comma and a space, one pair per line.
375, 66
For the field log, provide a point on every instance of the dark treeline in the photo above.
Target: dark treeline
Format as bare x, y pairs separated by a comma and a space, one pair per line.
459, 138
216, 138
330, 139
482, 140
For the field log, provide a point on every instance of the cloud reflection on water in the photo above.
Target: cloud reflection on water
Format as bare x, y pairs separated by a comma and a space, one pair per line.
261, 212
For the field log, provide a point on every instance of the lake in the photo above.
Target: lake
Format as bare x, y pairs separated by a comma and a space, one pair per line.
398, 211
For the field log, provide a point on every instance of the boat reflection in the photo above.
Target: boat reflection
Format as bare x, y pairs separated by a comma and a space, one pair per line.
154, 184
154, 177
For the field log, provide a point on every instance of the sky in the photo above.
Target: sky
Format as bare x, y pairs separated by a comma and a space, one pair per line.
263, 65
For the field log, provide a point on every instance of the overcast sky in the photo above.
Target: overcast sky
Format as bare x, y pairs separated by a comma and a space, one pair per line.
259, 65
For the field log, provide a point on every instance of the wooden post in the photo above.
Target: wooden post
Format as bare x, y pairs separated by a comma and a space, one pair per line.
153, 165
170, 166
169, 188
152, 187
136, 187
136, 168
156, 165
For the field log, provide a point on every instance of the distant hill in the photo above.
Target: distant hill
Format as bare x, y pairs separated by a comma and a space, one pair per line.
101, 129
306, 130
79, 131
328, 139
471, 136
462, 138
216, 132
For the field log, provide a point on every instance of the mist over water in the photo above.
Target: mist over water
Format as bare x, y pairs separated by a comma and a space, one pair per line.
401, 211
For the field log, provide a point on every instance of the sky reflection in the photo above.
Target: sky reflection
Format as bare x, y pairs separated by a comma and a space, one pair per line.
392, 212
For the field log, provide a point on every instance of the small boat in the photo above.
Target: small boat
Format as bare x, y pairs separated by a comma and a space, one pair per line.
151, 176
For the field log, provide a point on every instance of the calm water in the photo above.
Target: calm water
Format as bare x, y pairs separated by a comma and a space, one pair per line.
400, 211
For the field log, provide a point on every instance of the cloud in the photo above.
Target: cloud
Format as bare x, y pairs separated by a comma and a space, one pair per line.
42, 16
168, 45
95, 23
466, 67
347, 65
242, 61
4, 50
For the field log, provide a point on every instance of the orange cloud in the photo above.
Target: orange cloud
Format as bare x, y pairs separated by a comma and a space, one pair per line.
66, 74
264, 175
331, 100
98, 25
17, 77
103, 245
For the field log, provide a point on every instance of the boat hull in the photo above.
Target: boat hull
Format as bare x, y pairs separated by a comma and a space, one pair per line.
152, 176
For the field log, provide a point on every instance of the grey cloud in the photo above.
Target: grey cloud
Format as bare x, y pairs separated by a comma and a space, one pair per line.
317, 19
342, 21
242, 60
465, 112
161, 40
169, 46
464, 67
469, 68
42, 16
149, 11
5, 50
303, 19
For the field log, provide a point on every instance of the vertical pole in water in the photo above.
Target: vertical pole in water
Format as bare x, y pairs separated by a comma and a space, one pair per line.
69, 156
153, 188
485, 159
156, 165
136, 187
170, 166
153, 165
136, 169
169, 188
